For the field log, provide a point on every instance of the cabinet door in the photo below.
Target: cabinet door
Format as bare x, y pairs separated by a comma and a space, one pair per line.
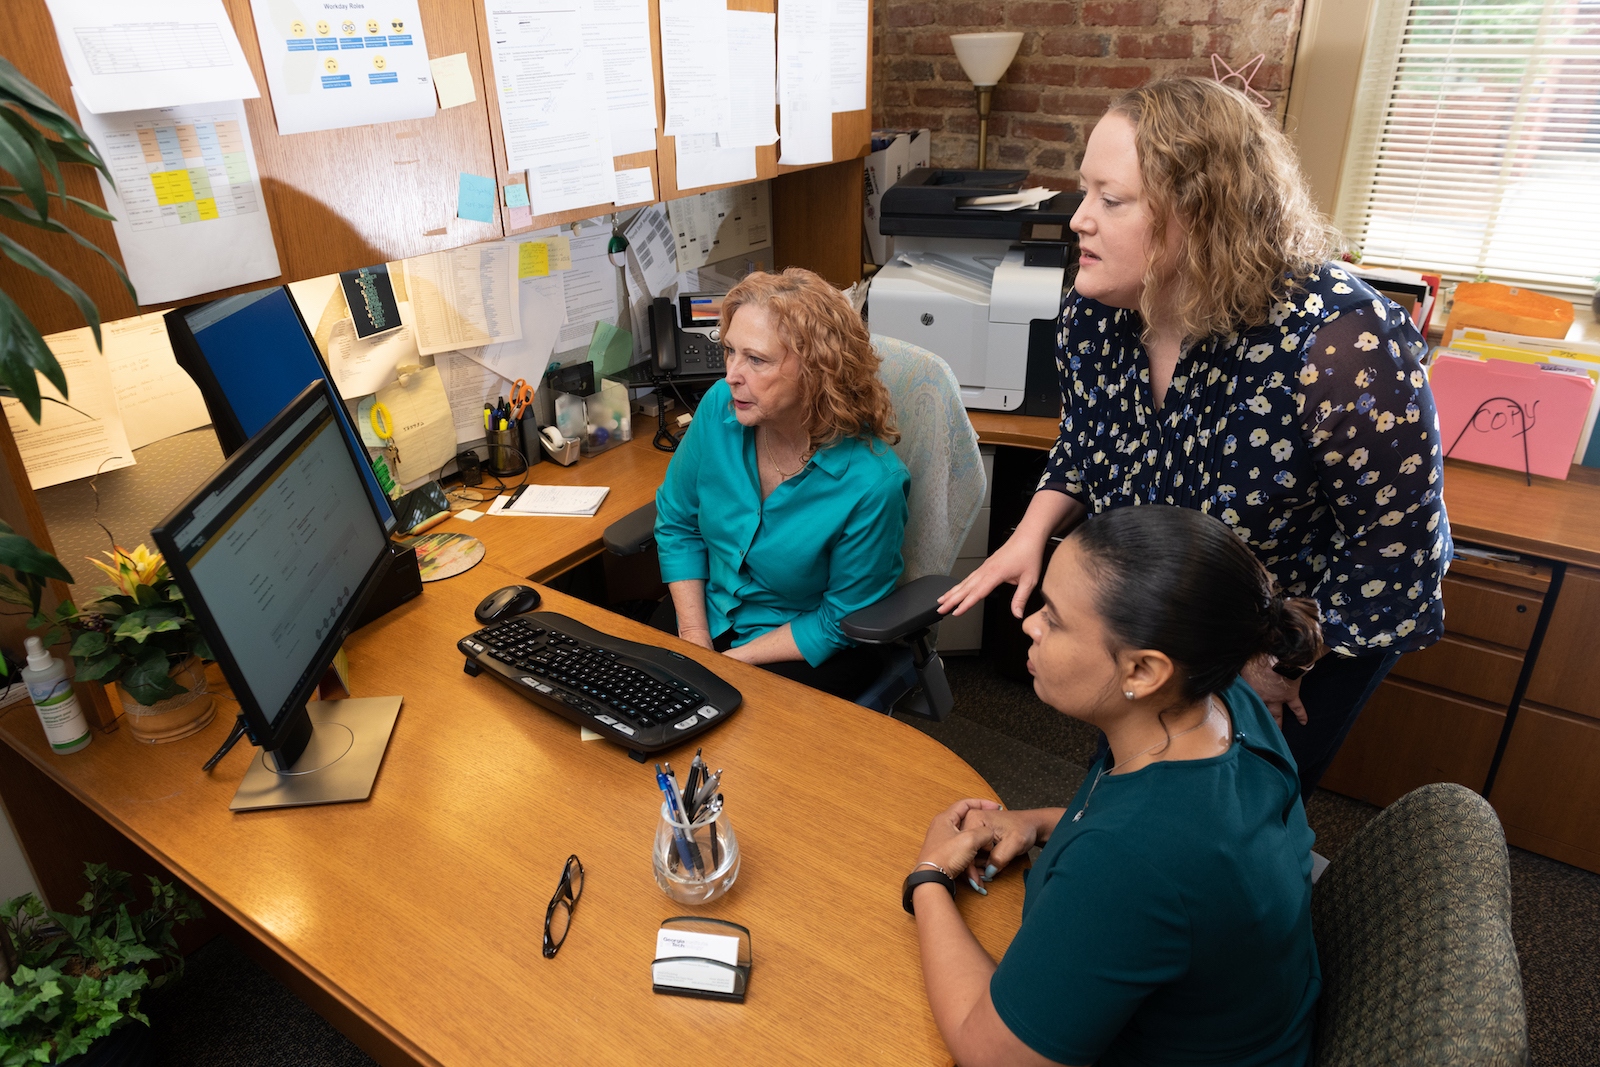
1471, 668
1409, 736
1567, 675
1546, 792
1490, 611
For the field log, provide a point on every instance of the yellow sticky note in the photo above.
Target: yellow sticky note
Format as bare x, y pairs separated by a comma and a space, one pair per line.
452, 78
208, 208
533, 261
560, 253
172, 186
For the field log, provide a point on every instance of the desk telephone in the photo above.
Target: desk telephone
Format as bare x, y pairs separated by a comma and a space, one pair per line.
686, 339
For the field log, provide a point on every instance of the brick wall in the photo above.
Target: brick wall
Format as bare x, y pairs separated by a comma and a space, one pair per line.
1076, 57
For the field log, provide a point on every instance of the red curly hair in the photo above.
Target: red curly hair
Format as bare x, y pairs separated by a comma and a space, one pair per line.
844, 397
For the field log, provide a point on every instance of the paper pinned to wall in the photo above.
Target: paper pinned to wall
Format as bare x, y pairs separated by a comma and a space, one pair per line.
652, 250
67, 444
849, 55
804, 82
452, 80
721, 224
424, 429
331, 65
155, 397
129, 55
469, 385
464, 298
542, 309
591, 289
634, 186
753, 67
696, 90
362, 365
619, 32
190, 215
702, 161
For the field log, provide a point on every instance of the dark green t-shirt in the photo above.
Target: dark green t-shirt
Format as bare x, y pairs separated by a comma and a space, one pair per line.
1172, 923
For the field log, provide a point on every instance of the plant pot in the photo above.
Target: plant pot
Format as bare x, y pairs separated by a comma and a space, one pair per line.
175, 717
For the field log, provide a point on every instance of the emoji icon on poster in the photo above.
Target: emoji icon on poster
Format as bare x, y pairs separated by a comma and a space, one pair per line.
331, 65
297, 28
379, 63
372, 25
322, 27
347, 27
399, 25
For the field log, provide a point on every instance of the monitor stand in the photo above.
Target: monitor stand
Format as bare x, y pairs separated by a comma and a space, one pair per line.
340, 762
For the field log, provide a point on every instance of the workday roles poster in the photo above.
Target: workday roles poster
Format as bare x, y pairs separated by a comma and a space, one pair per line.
337, 63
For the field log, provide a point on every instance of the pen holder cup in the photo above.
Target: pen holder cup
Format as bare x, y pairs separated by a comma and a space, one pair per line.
695, 863
505, 452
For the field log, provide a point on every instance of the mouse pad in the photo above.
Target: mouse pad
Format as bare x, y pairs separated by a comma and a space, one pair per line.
445, 555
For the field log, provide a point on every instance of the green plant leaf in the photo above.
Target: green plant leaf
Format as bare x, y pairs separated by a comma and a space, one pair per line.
88, 645
46, 159
101, 668
23, 257
21, 350
15, 89
17, 156
147, 681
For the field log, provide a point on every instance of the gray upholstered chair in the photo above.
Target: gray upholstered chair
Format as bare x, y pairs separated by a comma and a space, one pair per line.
1413, 928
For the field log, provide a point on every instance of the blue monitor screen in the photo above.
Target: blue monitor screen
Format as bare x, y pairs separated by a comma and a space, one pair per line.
256, 346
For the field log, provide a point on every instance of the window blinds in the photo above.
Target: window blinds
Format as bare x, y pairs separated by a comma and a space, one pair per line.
1475, 145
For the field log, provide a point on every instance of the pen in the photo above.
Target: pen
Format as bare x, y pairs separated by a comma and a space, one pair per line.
488, 411
708, 789
663, 778
697, 770
515, 493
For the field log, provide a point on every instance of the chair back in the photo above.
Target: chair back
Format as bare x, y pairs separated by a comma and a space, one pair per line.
940, 450
1413, 928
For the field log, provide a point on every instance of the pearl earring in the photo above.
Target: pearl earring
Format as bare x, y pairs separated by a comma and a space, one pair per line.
1128, 693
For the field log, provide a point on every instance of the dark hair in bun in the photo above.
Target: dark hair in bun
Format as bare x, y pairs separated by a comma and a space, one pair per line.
1181, 582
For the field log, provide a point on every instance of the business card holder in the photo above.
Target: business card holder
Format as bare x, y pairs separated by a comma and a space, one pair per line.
700, 977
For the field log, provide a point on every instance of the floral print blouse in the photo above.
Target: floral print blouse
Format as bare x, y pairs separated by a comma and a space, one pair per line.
1313, 435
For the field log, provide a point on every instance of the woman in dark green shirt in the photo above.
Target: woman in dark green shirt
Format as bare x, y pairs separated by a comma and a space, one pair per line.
1167, 919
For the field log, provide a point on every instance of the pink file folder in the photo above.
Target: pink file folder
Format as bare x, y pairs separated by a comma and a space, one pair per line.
1489, 409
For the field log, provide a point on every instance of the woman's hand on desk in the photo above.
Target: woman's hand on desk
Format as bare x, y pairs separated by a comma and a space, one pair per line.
697, 635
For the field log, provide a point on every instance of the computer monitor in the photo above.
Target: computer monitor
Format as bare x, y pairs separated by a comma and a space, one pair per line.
276, 554
250, 355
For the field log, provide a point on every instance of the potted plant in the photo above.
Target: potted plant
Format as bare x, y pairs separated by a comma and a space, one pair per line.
142, 636
71, 984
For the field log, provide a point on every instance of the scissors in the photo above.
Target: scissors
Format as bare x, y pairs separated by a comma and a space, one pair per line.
521, 397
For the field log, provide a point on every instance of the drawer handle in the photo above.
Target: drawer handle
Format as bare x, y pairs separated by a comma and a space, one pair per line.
1522, 609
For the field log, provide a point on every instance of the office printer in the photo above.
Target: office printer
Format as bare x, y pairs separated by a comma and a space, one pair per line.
981, 288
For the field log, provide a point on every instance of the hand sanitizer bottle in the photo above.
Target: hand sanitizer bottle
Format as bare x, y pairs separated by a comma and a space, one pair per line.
51, 689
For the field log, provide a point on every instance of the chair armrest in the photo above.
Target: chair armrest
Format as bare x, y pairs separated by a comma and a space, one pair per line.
633, 533
912, 607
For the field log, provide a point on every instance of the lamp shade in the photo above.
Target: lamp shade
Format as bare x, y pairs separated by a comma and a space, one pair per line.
985, 56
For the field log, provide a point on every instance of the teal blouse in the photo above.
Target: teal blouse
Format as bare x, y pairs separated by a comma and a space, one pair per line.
823, 544
1172, 923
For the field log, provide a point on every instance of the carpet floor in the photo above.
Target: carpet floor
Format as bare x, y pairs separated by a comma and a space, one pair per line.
227, 1012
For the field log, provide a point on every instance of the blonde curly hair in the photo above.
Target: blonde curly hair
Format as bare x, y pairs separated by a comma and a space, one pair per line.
844, 397
1213, 163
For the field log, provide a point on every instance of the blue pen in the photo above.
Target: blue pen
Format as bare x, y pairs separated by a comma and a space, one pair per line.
668, 786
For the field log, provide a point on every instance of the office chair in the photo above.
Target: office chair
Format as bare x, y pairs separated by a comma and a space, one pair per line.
1413, 929
939, 448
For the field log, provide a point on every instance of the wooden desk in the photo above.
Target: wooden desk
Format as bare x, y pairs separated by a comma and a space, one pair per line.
540, 548
413, 921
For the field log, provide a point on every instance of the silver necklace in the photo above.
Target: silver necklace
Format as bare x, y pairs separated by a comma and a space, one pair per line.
1210, 707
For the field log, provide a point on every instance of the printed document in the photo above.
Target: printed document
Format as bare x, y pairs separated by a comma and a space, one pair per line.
702, 161
469, 385
129, 55
155, 397
752, 66
424, 431
67, 444
190, 216
694, 38
804, 82
362, 365
332, 63
721, 224
619, 30
850, 45
464, 298
591, 290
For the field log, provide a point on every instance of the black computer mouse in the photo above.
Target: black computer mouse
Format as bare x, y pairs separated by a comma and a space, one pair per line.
503, 603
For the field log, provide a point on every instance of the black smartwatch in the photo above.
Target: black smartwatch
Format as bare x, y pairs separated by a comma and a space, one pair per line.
918, 877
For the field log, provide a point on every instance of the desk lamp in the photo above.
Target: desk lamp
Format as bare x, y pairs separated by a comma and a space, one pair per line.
984, 57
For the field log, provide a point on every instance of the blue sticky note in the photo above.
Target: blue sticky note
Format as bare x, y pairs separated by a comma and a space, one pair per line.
476, 199
517, 195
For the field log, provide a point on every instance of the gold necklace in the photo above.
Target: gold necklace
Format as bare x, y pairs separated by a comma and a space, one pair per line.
772, 459
1210, 707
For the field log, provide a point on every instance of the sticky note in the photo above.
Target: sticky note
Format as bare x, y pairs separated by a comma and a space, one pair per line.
560, 253
517, 195
533, 259
452, 78
518, 218
475, 201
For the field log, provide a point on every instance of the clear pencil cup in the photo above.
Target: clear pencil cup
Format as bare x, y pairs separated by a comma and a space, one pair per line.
695, 863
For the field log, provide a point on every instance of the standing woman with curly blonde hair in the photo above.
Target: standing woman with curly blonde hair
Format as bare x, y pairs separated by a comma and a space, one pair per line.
784, 507
1213, 357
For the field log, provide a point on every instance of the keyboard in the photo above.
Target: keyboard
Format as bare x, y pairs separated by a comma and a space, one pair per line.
642, 697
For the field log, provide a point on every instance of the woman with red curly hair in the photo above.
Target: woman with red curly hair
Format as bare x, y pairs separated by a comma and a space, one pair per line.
784, 507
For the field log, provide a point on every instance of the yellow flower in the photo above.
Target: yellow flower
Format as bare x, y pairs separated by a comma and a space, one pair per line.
129, 570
